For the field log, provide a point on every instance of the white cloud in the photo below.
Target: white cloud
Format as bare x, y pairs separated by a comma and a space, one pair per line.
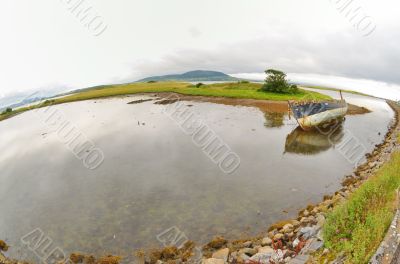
43, 44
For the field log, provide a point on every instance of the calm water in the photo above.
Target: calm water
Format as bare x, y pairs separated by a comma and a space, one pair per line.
154, 177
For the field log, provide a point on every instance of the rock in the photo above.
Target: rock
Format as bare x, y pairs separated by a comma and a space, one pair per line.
295, 242
213, 261
320, 235
265, 250
306, 213
169, 252
304, 220
247, 244
320, 221
266, 241
300, 259
271, 234
290, 235
295, 223
243, 258
3, 246
278, 256
278, 236
248, 251
221, 254
261, 258
287, 228
307, 232
217, 243
312, 247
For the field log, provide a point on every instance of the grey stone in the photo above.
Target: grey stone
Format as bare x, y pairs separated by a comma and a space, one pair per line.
308, 232
300, 259
262, 258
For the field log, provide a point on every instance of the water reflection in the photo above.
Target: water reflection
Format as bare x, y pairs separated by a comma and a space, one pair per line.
274, 119
313, 142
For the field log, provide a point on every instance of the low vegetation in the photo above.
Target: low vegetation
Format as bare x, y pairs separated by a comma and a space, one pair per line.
231, 90
357, 227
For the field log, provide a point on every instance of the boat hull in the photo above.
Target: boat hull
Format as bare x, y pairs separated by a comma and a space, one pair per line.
319, 119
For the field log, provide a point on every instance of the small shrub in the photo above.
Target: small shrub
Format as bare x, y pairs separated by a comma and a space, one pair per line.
276, 82
243, 82
151, 81
7, 111
199, 85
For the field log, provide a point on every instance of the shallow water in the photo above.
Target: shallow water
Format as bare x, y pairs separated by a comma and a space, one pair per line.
153, 177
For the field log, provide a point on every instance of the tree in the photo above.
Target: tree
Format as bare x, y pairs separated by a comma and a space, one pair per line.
7, 111
276, 82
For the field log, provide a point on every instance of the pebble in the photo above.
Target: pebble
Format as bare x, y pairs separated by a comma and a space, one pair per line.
265, 250
213, 261
266, 241
287, 228
248, 251
261, 258
295, 223
278, 236
247, 244
221, 254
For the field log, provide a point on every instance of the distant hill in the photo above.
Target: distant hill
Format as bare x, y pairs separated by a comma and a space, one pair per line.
193, 76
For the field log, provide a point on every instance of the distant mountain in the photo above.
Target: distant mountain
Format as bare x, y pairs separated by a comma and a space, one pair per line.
193, 76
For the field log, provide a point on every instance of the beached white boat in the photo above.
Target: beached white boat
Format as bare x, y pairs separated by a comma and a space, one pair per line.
313, 114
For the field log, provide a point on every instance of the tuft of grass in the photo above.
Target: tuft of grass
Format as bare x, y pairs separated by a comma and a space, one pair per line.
358, 226
231, 90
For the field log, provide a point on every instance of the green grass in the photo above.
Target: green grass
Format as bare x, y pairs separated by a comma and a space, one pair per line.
334, 89
358, 226
231, 90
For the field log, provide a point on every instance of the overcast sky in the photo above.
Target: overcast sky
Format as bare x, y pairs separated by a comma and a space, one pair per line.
45, 46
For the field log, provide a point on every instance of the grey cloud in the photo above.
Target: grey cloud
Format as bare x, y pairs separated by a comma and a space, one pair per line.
375, 57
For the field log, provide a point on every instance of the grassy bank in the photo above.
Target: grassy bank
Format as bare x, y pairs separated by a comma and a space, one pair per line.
358, 226
231, 90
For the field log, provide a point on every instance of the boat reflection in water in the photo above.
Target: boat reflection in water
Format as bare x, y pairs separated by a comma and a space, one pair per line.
313, 142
